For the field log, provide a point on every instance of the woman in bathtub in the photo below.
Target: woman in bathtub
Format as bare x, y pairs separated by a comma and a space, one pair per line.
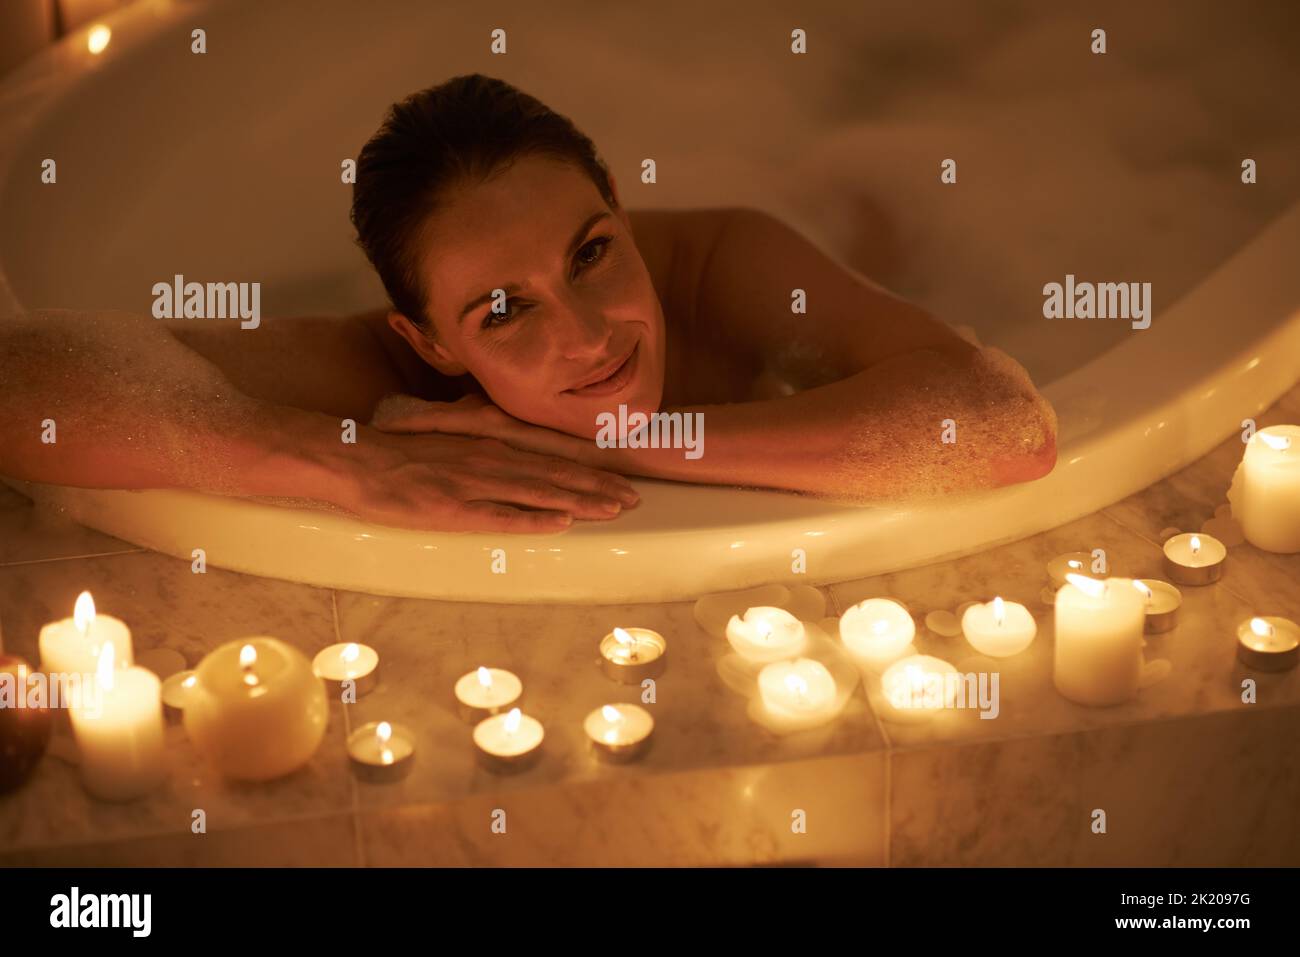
527, 305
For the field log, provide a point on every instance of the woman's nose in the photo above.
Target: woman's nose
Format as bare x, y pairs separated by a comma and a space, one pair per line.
586, 334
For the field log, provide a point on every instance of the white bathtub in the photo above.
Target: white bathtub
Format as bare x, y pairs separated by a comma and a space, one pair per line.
225, 167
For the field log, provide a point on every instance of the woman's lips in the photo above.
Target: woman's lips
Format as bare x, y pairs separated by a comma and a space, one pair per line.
616, 381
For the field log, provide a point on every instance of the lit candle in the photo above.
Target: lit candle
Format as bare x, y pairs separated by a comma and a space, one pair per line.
485, 692
1099, 626
71, 646
1071, 563
798, 693
1269, 644
1000, 628
877, 632
118, 726
380, 751
630, 655
619, 732
1265, 492
347, 661
1194, 558
1162, 603
918, 687
508, 741
766, 634
175, 692
24, 722
256, 711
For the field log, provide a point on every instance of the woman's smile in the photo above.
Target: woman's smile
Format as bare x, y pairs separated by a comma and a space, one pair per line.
612, 379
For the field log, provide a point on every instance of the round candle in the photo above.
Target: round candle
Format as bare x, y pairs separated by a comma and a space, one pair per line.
509, 740
799, 690
1000, 628
1162, 603
918, 687
71, 646
1266, 493
766, 634
486, 691
347, 661
380, 751
630, 655
1269, 644
1098, 659
1071, 563
118, 727
1194, 558
619, 732
257, 710
24, 722
877, 631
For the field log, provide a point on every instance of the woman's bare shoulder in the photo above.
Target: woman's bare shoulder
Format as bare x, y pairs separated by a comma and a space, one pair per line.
675, 245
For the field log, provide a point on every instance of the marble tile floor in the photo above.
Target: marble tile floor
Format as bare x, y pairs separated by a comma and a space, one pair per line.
1187, 774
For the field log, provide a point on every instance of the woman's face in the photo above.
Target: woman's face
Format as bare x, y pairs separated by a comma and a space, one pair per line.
582, 329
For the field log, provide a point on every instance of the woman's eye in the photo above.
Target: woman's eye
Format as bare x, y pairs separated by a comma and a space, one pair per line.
594, 251
494, 319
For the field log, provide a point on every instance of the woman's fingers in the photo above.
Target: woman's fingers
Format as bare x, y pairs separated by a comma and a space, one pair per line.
479, 516
538, 493
570, 475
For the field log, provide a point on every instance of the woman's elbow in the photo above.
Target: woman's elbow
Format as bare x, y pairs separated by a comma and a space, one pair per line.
1034, 454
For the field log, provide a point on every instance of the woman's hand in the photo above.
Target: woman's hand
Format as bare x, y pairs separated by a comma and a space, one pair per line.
477, 484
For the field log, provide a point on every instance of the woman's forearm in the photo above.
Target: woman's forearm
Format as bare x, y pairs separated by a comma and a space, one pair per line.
922, 423
109, 400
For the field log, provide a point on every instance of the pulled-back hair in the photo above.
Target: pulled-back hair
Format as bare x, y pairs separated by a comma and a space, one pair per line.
464, 130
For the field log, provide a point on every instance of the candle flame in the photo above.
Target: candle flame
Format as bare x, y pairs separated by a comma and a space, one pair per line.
385, 756
484, 677
1074, 563
1279, 443
97, 40
384, 732
83, 613
512, 720
764, 629
1089, 586
247, 658
622, 637
1260, 627
104, 668
1196, 544
610, 713
350, 652
796, 685
1143, 589
190, 682
999, 609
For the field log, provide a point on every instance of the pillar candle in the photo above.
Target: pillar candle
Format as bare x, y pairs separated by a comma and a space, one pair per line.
71, 646
118, 726
1099, 624
1266, 489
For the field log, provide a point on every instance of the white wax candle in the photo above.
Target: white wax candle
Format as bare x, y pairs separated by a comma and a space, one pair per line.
619, 730
766, 634
380, 745
1000, 628
509, 737
1194, 558
799, 690
257, 711
118, 728
346, 661
877, 632
1071, 563
632, 654
918, 687
1266, 491
1271, 644
1098, 658
485, 691
71, 646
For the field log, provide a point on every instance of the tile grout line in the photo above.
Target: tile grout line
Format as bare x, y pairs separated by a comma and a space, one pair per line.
72, 558
347, 732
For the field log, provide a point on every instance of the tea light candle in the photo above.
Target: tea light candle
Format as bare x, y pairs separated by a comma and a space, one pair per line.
71, 646
347, 661
918, 687
1071, 563
630, 655
619, 732
1269, 644
508, 741
1162, 603
1194, 558
1266, 492
175, 692
1000, 628
485, 692
24, 723
118, 727
1099, 624
257, 711
766, 634
802, 690
380, 751
877, 632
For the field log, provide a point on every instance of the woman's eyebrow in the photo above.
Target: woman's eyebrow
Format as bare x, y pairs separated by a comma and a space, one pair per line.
514, 287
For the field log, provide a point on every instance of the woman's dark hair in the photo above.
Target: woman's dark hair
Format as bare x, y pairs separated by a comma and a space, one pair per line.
463, 130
